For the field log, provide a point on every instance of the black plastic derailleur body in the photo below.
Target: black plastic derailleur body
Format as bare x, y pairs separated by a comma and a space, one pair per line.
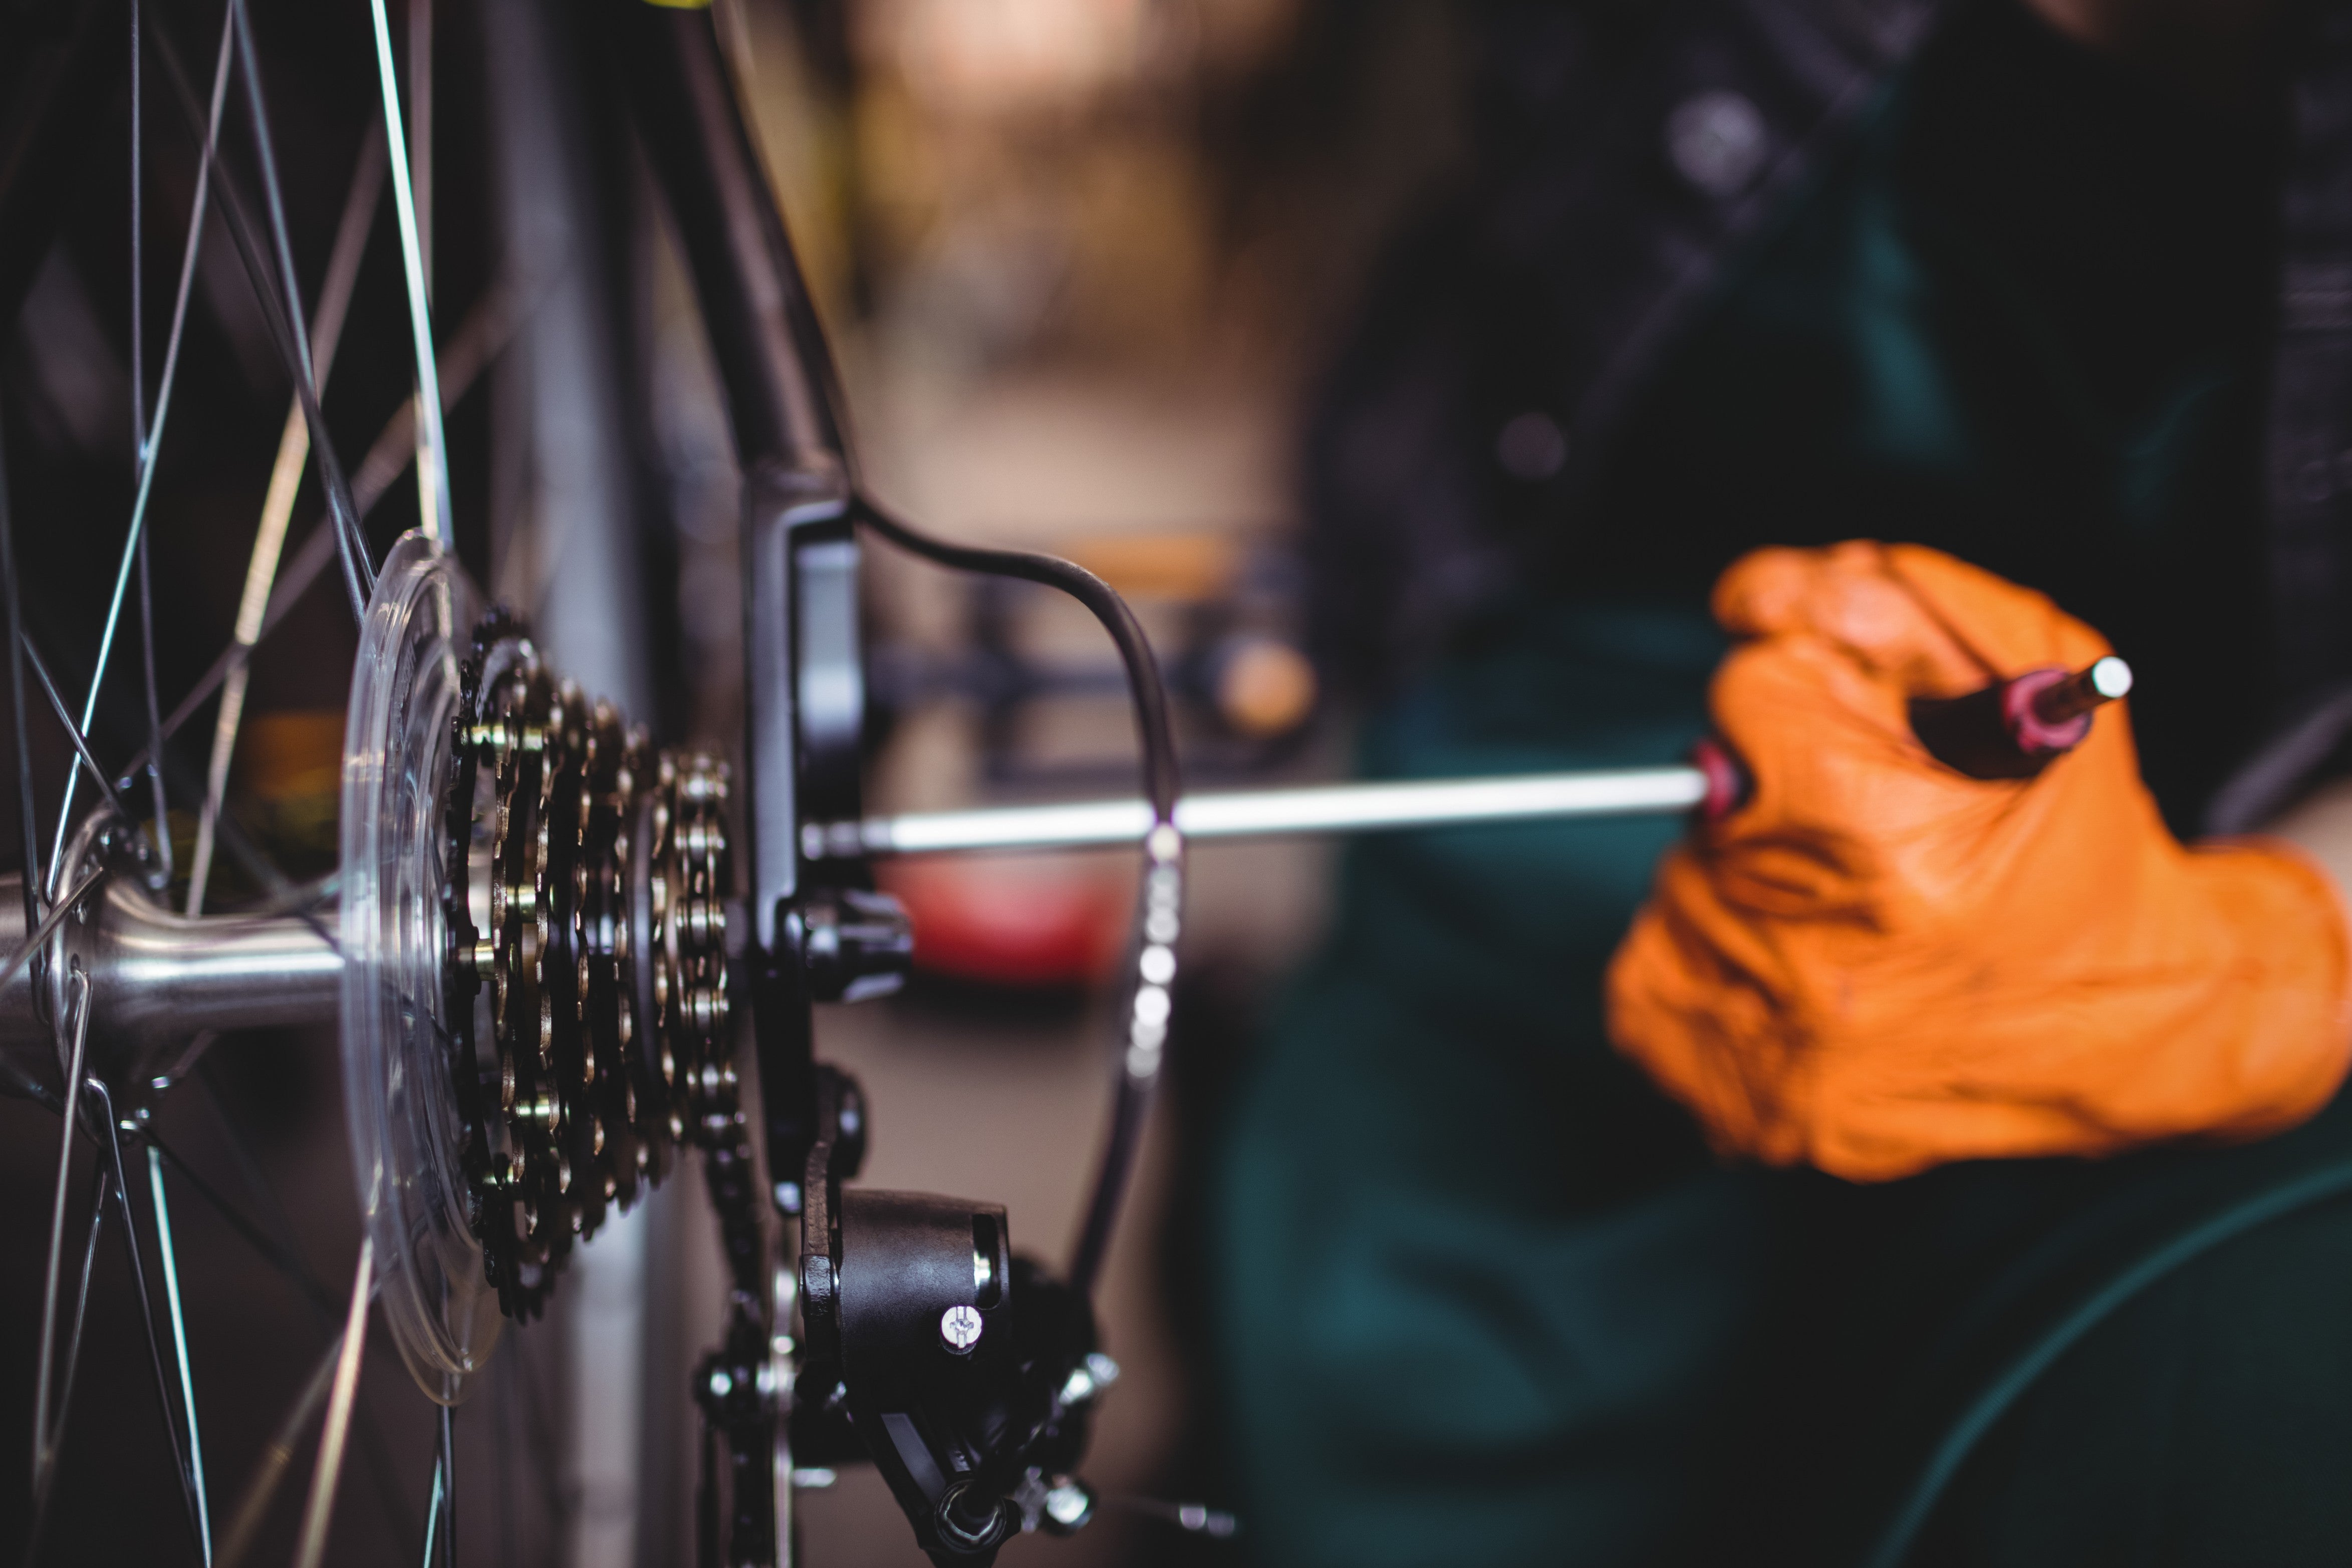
965, 1374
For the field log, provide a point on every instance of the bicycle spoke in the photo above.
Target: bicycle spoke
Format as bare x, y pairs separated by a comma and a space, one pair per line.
166, 1255
485, 332
65, 718
277, 505
113, 1148
41, 1425
138, 250
147, 586
277, 1458
432, 1537
81, 746
320, 1506
274, 1251
284, 323
280, 1253
478, 340
27, 822
273, 194
282, 1250
431, 464
161, 876
49, 923
102, 1188
45, 1454
286, 1251
448, 1490
281, 893
211, 134
420, 132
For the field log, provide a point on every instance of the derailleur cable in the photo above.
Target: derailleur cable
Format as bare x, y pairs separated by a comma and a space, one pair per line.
1146, 1015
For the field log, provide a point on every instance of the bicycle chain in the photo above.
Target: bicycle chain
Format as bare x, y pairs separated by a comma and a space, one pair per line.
606, 1042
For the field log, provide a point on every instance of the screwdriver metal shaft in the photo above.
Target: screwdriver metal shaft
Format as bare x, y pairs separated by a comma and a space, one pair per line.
1246, 814
1356, 807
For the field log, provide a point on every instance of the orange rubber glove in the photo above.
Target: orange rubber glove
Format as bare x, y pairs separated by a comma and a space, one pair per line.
1876, 964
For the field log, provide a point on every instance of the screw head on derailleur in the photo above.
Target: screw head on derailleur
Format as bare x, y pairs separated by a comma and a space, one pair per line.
960, 1329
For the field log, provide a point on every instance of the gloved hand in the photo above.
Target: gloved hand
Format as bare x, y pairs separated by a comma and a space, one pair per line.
1876, 964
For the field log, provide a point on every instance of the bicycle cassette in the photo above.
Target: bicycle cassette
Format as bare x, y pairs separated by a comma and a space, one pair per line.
534, 925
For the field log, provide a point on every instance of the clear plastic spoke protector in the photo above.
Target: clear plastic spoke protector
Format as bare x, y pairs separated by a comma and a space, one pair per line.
398, 1090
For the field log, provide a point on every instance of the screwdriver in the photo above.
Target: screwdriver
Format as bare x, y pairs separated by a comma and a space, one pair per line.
2010, 729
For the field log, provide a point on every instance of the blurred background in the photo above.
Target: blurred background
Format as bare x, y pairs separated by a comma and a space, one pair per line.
1082, 262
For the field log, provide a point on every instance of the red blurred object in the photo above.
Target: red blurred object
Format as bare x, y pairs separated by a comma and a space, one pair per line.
1726, 784
1038, 924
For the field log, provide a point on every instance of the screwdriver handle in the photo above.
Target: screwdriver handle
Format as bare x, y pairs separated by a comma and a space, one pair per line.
2010, 730
2014, 728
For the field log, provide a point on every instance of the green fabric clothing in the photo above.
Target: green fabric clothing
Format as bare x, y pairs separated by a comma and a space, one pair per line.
1479, 1282
1483, 1295
2206, 1420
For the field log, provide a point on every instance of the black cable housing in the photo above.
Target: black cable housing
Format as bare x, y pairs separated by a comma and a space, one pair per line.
1147, 691
1139, 1068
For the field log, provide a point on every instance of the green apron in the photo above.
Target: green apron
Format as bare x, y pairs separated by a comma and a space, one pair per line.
1481, 1295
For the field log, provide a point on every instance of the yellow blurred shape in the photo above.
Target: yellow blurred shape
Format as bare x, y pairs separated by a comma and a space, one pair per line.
994, 55
1265, 688
1160, 565
291, 756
